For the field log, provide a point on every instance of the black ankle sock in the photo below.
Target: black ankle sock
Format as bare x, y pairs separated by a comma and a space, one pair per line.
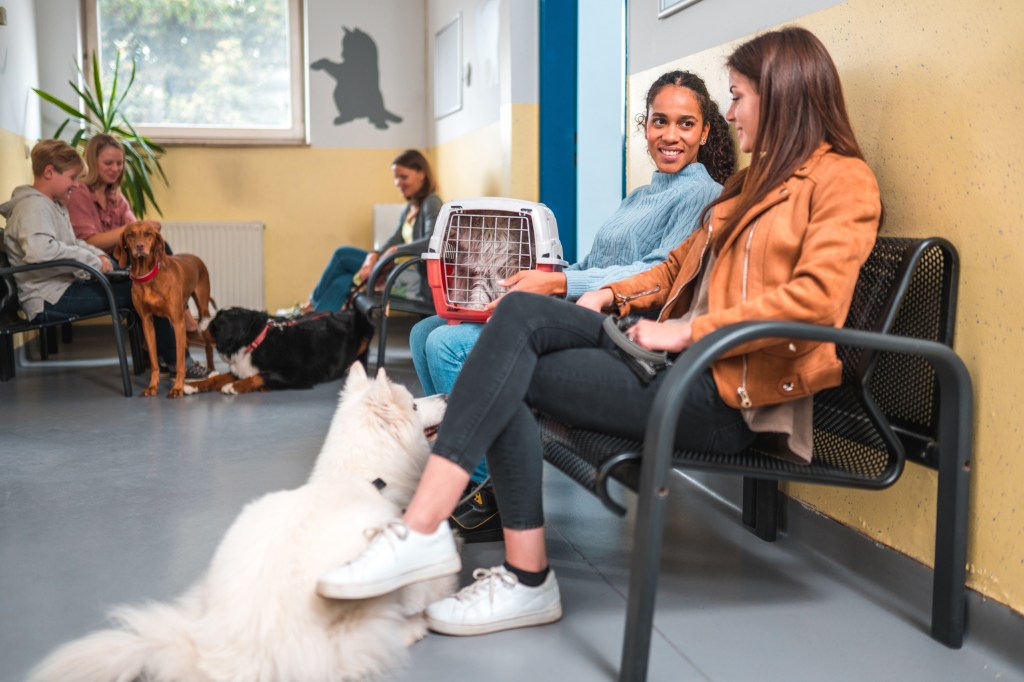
526, 577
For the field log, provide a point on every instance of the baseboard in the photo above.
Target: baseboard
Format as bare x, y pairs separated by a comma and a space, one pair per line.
895, 576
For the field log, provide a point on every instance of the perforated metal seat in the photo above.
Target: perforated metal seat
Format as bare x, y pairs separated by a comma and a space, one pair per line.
897, 363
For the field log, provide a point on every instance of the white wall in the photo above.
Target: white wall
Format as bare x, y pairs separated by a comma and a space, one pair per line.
19, 70
653, 41
600, 117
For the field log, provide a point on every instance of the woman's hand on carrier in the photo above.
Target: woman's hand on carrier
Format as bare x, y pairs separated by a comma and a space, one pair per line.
534, 282
598, 301
667, 336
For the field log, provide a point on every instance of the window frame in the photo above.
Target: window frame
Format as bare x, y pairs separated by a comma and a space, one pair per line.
296, 134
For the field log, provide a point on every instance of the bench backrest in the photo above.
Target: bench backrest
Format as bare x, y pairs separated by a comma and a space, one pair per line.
907, 287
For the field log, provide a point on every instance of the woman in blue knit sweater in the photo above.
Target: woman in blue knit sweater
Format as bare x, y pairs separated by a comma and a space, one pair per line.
689, 142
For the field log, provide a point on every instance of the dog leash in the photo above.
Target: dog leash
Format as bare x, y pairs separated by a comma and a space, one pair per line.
277, 324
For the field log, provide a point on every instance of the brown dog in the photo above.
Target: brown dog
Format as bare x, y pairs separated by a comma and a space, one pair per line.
161, 285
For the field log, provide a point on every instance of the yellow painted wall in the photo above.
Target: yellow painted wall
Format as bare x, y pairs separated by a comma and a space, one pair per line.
936, 97
311, 200
15, 166
500, 159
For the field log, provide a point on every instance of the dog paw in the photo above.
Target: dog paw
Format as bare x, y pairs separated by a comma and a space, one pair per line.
415, 629
190, 390
150, 391
176, 393
229, 389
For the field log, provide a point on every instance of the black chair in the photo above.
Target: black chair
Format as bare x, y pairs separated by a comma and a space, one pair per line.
12, 322
378, 306
905, 394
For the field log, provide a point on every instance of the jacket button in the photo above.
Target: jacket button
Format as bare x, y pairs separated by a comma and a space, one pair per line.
792, 347
787, 387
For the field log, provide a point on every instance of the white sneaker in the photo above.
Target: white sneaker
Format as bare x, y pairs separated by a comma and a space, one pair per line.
395, 557
496, 601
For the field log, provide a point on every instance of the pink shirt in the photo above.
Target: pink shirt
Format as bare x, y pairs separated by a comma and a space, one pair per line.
89, 218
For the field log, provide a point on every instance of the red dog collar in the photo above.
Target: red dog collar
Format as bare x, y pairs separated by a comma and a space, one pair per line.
148, 276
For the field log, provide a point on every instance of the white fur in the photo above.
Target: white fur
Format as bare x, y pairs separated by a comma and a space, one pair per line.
240, 364
255, 615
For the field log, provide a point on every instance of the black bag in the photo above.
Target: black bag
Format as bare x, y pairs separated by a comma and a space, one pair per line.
645, 363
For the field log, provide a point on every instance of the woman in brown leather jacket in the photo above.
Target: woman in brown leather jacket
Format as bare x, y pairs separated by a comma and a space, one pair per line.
784, 241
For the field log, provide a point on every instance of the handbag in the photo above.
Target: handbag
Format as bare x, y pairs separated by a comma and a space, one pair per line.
645, 363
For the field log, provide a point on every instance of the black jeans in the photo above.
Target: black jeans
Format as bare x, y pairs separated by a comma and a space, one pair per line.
86, 296
552, 355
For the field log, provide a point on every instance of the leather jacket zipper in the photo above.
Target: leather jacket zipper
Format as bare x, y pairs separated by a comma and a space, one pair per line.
745, 401
700, 266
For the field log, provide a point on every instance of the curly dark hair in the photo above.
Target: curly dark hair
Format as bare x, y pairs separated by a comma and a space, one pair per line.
718, 153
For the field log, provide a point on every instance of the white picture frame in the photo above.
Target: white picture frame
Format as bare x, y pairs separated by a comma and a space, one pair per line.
448, 68
667, 8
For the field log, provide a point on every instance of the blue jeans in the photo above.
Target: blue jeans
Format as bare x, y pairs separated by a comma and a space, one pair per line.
336, 281
85, 297
538, 352
439, 350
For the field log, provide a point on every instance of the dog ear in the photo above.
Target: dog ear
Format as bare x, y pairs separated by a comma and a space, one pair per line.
356, 376
159, 246
121, 251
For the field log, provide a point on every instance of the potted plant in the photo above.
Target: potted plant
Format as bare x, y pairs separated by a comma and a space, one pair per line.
102, 114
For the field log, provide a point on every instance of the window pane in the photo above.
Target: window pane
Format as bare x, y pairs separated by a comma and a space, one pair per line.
201, 63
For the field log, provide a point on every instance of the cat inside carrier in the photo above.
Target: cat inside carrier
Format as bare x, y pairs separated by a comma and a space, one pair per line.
478, 242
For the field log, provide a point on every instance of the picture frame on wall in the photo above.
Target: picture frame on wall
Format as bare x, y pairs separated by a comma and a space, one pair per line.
448, 68
667, 8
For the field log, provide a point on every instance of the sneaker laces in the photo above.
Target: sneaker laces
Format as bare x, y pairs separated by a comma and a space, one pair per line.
385, 535
489, 580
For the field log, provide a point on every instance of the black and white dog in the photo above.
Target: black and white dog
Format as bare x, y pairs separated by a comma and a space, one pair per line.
265, 352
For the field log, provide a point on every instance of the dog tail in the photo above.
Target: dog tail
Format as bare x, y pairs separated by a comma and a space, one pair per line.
150, 642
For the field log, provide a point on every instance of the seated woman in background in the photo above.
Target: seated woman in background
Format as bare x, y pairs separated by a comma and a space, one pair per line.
785, 241
98, 209
688, 140
351, 265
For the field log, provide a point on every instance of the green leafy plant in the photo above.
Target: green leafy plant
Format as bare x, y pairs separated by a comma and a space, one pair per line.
102, 113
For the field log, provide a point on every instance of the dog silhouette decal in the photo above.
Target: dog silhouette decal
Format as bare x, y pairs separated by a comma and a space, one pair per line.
357, 92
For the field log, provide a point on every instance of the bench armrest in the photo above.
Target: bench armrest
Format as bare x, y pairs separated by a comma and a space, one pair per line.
952, 375
67, 263
414, 248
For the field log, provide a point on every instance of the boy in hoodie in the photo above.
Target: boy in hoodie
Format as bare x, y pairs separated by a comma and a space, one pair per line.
38, 231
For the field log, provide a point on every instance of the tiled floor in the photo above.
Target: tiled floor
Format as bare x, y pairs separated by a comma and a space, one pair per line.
105, 500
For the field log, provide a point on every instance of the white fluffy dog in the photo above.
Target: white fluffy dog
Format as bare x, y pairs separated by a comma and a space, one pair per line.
255, 615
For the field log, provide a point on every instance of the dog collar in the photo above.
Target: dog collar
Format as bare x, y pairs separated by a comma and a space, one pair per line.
148, 276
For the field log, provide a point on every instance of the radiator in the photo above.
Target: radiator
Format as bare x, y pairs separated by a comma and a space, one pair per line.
233, 253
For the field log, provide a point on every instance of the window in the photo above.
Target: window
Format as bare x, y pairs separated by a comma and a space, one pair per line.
207, 71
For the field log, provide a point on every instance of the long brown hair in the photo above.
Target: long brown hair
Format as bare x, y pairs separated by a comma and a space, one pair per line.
718, 154
97, 143
414, 160
801, 106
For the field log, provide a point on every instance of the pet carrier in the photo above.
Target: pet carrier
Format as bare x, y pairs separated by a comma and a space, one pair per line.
478, 242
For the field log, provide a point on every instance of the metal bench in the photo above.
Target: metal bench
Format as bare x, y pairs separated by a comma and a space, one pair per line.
905, 395
377, 306
11, 321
